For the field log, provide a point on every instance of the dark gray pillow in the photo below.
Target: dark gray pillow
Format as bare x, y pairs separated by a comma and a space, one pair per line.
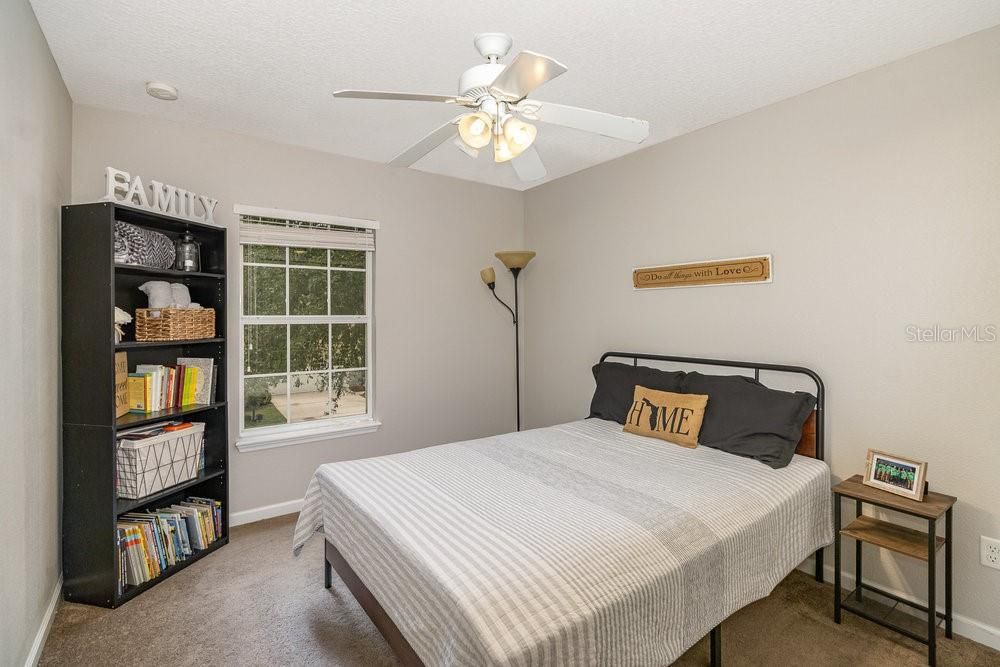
747, 419
616, 387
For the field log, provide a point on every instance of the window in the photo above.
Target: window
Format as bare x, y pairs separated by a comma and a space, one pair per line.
305, 327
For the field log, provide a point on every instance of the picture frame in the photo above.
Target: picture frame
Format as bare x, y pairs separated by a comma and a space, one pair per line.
896, 474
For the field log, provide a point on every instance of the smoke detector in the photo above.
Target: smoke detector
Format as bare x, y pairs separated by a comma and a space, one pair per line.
161, 91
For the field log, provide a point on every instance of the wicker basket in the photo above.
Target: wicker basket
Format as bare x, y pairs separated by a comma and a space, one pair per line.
174, 323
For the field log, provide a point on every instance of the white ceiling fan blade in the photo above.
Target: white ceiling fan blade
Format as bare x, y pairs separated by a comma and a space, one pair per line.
425, 145
407, 97
588, 120
465, 148
528, 165
526, 72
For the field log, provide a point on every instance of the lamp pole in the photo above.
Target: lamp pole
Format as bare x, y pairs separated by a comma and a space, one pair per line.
517, 357
515, 261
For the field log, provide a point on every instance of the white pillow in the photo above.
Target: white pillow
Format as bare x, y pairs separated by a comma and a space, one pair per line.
159, 293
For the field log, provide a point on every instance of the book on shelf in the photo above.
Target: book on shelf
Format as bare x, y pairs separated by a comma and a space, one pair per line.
149, 542
121, 384
137, 394
203, 385
152, 430
155, 387
190, 378
216, 507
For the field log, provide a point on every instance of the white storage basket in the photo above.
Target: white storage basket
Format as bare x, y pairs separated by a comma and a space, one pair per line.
146, 466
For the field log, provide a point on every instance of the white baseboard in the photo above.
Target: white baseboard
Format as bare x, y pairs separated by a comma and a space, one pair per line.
970, 628
265, 512
43, 630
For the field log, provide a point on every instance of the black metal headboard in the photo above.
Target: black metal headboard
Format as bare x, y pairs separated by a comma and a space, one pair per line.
756, 367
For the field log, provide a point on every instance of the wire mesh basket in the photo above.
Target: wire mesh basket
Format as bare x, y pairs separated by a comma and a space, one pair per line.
149, 465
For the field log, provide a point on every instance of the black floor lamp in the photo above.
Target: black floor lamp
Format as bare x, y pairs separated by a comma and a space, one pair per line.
515, 260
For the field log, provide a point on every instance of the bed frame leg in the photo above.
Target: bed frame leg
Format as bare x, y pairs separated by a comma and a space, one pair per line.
715, 645
819, 565
327, 574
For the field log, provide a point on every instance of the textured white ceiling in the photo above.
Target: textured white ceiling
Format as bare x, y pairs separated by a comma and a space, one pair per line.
267, 67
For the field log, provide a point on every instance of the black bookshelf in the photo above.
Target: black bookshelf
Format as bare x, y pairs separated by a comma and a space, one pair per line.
92, 285
133, 591
131, 420
166, 274
139, 344
130, 505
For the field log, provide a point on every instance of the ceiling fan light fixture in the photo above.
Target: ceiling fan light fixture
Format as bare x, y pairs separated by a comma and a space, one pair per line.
476, 129
490, 95
501, 150
519, 135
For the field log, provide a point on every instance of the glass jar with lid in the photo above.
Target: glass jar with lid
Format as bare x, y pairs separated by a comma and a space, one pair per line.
188, 254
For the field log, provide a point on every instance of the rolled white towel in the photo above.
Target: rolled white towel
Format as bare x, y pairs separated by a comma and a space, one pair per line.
159, 292
180, 295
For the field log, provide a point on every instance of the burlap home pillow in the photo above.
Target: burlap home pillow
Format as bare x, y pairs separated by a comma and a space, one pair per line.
666, 415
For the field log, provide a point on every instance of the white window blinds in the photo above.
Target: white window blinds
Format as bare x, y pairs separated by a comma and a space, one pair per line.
262, 226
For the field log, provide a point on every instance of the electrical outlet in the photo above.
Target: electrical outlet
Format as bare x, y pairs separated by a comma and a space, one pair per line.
989, 552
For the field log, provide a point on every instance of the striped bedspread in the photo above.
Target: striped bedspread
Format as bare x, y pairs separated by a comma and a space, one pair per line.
575, 544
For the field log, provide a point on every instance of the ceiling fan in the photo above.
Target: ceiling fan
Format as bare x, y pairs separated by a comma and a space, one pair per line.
497, 96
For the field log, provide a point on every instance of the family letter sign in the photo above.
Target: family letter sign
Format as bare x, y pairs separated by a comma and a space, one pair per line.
160, 198
702, 274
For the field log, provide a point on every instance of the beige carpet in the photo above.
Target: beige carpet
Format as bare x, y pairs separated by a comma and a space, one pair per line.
252, 603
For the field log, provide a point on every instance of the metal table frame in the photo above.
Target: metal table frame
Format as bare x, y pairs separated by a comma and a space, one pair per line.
933, 619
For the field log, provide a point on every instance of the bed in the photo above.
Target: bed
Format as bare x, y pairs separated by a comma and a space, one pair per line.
567, 545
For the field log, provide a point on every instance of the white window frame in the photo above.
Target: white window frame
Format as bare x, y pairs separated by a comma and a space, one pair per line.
281, 435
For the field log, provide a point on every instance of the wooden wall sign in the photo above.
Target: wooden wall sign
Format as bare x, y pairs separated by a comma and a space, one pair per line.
737, 271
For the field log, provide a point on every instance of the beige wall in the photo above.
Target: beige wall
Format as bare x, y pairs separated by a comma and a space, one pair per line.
879, 197
35, 127
443, 346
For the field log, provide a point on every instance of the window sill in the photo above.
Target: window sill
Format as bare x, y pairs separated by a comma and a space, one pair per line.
256, 441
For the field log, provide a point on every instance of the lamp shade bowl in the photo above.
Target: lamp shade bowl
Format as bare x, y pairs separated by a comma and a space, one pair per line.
476, 129
515, 259
488, 275
501, 149
518, 134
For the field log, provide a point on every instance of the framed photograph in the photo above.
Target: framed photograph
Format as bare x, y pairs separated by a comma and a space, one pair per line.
896, 474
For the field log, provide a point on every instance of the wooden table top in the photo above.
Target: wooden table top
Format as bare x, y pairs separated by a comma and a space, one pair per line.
932, 507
